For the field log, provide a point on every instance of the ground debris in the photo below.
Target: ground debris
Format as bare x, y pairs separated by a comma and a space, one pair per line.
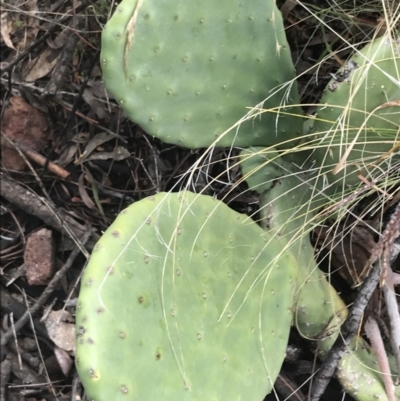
39, 257
26, 126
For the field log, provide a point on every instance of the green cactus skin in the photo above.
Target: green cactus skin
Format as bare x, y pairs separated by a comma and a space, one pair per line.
252, 163
319, 310
358, 373
358, 109
191, 73
288, 209
183, 299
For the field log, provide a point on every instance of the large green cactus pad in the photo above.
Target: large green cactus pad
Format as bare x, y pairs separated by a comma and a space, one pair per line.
183, 299
361, 113
187, 72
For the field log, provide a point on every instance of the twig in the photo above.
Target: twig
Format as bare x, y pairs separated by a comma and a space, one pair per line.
48, 290
39, 159
5, 373
388, 280
76, 388
393, 317
16, 341
44, 162
347, 332
385, 246
10, 305
49, 382
372, 330
156, 173
286, 388
23, 156
45, 210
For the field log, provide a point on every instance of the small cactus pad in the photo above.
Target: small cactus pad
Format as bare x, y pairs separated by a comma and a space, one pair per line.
360, 113
183, 299
358, 372
318, 309
186, 72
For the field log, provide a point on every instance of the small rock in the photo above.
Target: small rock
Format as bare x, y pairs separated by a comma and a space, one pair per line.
61, 328
39, 257
26, 126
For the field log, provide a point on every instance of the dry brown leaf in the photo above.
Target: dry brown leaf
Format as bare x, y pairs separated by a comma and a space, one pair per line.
82, 137
44, 63
6, 29
67, 155
95, 142
41, 65
119, 153
63, 359
97, 88
61, 39
96, 105
83, 193
32, 7
287, 7
22, 26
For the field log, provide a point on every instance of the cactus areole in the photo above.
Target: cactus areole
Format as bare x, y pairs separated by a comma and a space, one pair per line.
187, 73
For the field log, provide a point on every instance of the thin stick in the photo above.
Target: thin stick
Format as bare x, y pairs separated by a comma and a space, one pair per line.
23, 156
39, 159
16, 341
45, 210
42, 161
373, 333
37, 344
394, 317
347, 332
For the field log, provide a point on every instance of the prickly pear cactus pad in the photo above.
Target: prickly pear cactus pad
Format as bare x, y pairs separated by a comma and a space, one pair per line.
359, 374
287, 208
183, 299
188, 72
358, 121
